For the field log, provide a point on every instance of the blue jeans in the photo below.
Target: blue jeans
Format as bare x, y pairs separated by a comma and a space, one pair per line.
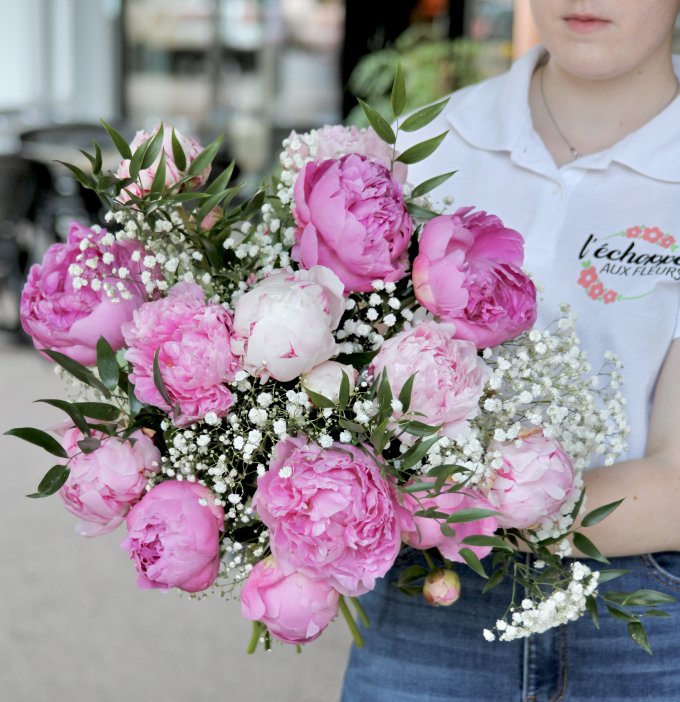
417, 653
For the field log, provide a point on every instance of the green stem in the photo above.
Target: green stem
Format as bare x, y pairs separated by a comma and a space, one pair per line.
361, 612
356, 634
428, 559
255, 637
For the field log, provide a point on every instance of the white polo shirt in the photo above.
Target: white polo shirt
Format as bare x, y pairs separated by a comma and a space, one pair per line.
602, 233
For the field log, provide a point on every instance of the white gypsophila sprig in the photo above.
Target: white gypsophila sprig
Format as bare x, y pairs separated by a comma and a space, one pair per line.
543, 380
567, 602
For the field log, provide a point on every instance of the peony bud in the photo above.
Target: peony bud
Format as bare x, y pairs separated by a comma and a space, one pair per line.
325, 379
441, 588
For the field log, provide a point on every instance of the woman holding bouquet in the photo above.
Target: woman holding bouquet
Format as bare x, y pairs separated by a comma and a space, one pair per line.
578, 148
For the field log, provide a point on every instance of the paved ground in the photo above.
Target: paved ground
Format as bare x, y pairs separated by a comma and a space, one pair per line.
74, 627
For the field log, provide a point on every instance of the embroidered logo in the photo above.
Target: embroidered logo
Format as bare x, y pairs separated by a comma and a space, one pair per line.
627, 260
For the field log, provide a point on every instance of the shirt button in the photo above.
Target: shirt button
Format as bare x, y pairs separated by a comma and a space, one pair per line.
555, 189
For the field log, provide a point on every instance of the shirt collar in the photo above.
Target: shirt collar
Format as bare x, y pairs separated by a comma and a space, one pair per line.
652, 150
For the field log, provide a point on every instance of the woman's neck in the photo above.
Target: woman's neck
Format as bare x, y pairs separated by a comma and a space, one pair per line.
575, 116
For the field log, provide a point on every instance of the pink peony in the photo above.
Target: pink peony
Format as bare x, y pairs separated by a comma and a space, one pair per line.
174, 537
536, 479
336, 141
64, 304
450, 376
295, 608
173, 175
325, 379
352, 218
195, 356
441, 588
285, 324
103, 485
330, 513
425, 532
468, 271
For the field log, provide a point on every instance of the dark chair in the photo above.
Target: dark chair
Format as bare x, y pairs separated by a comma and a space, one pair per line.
25, 230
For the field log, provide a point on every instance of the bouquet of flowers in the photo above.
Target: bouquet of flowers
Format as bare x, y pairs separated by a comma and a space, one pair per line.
279, 393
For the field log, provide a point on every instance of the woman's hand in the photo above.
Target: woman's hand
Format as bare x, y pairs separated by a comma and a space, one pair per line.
649, 518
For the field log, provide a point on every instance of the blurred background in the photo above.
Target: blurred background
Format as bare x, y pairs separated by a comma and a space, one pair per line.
72, 624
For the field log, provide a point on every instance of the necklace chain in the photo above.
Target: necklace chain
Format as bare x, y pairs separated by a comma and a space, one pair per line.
572, 150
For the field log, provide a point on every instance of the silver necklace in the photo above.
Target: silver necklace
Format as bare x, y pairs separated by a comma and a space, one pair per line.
573, 151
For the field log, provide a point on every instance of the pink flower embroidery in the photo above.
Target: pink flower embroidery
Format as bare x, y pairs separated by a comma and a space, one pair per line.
652, 235
587, 277
667, 241
596, 290
609, 297
633, 232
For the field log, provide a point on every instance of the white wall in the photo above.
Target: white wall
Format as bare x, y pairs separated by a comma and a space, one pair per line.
59, 57
20, 54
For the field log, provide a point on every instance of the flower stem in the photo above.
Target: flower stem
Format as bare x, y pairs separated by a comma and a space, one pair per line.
428, 559
255, 637
361, 612
356, 634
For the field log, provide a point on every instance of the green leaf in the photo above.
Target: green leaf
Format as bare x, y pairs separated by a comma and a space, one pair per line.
85, 180
205, 158
577, 507
417, 452
39, 438
98, 410
178, 152
384, 395
447, 530
420, 428
419, 212
406, 392
89, 157
473, 562
417, 487
611, 574
591, 606
431, 184
158, 379
645, 598
98, 159
471, 514
636, 630
153, 148
77, 370
89, 444
597, 515
378, 437
379, 123
421, 151
320, 400
351, 426
209, 203
72, 411
423, 117
136, 160
222, 179
55, 477
107, 365
620, 614
343, 395
587, 547
398, 97
135, 404
495, 579
158, 182
482, 540
118, 141
411, 573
